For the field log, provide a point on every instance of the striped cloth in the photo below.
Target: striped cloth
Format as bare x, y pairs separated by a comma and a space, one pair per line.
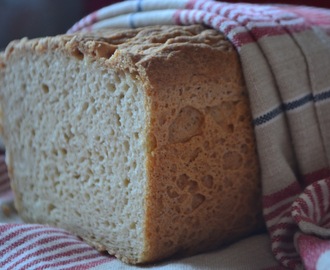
285, 55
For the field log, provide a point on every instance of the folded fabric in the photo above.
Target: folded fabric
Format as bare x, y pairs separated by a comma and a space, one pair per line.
285, 55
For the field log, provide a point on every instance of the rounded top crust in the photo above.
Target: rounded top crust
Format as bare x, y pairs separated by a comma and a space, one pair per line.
138, 43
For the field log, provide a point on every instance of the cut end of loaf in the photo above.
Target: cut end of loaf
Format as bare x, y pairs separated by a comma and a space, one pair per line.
139, 141
77, 148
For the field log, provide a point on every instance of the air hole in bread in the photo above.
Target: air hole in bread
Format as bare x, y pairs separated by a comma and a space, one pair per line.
126, 182
77, 54
77, 213
187, 124
171, 193
207, 181
85, 106
196, 201
45, 88
232, 160
50, 208
63, 151
87, 196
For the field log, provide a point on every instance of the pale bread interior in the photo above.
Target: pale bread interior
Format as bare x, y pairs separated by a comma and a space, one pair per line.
90, 115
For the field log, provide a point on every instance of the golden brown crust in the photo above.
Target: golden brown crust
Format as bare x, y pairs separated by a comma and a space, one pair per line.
203, 166
203, 187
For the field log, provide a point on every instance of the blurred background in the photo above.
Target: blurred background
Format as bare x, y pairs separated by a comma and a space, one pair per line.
35, 18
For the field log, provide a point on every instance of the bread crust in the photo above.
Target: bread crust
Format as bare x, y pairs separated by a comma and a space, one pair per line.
205, 175
203, 188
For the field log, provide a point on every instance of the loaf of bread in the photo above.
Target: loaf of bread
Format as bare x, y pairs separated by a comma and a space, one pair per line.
138, 141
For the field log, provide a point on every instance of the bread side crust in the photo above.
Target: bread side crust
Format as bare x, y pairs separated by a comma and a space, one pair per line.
204, 179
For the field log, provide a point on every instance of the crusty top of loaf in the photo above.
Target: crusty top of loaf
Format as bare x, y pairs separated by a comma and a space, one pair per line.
140, 44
